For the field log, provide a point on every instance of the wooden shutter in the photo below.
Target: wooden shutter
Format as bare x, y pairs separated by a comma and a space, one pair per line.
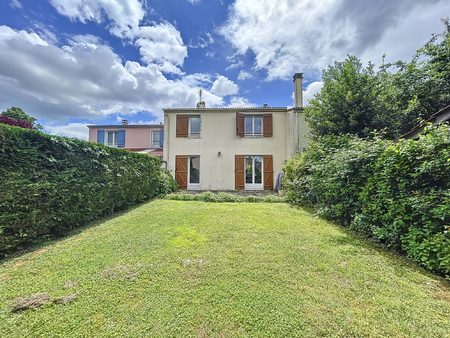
267, 125
268, 172
239, 172
240, 124
181, 171
182, 125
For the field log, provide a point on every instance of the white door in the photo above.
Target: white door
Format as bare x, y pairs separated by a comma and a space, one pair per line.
253, 173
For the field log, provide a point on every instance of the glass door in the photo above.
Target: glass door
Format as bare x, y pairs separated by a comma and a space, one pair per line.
253, 173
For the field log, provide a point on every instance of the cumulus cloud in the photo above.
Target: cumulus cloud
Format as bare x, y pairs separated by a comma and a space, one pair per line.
223, 86
124, 16
288, 36
78, 130
161, 44
244, 75
201, 41
86, 80
238, 101
312, 89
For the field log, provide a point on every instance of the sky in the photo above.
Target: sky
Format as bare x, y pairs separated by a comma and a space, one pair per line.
71, 63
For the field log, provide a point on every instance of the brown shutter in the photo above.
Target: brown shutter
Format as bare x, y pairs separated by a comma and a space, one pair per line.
182, 125
268, 172
239, 175
181, 172
267, 125
240, 124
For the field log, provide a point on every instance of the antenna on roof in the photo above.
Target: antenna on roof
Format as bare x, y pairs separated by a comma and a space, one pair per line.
200, 104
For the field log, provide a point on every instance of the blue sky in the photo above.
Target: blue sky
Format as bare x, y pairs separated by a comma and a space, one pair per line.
77, 62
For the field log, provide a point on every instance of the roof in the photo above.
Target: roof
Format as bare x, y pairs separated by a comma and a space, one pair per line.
227, 109
126, 126
439, 117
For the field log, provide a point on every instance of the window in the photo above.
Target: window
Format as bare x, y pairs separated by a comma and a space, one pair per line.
112, 138
156, 138
194, 126
253, 125
194, 170
253, 173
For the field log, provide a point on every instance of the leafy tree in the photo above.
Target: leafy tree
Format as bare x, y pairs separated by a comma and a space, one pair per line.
16, 116
349, 101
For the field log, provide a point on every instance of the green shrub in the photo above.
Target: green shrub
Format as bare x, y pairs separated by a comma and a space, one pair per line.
396, 193
221, 197
52, 184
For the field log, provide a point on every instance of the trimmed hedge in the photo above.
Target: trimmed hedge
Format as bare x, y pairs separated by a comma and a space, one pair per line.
396, 193
50, 184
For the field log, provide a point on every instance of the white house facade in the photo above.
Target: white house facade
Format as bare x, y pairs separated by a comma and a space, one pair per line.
232, 148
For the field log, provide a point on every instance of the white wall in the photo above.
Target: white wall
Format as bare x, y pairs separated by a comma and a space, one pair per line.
218, 133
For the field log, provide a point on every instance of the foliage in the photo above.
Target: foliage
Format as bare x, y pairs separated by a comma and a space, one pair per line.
358, 100
53, 184
224, 197
396, 193
15, 116
189, 269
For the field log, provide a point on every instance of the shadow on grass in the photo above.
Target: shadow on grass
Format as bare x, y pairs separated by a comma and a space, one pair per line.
398, 260
34, 247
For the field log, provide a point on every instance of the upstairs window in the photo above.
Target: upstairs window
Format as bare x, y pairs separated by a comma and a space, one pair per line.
194, 126
253, 125
112, 138
157, 138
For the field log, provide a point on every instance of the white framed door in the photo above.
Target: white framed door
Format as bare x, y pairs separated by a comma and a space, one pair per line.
254, 173
193, 173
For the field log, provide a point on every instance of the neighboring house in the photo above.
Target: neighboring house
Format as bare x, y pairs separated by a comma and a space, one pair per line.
233, 148
442, 116
142, 138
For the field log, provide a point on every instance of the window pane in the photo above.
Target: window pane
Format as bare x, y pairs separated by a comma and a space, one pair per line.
248, 125
194, 123
194, 169
258, 170
258, 125
110, 138
248, 170
155, 137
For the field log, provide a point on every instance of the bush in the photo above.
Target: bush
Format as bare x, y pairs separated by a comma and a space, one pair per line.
52, 184
396, 193
221, 197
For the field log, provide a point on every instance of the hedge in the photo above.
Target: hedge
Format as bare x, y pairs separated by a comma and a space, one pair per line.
222, 197
395, 193
50, 184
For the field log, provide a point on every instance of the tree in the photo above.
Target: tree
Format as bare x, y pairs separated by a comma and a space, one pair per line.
349, 101
17, 117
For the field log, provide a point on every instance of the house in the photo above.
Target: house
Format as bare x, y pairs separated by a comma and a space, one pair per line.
142, 138
233, 148
442, 116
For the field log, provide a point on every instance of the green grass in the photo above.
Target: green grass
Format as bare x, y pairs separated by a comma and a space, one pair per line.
174, 268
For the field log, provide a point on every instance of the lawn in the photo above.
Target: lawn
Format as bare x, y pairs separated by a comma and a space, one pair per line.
175, 268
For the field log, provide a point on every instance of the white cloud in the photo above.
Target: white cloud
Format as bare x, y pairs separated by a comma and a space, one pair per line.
125, 16
223, 86
161, 43
289, 36
238, 101
87, 80
201, 42
15, 4
78, 130
244, 75
312, 89
194, 2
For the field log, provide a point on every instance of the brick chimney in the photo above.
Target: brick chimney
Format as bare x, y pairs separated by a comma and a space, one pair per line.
298, 90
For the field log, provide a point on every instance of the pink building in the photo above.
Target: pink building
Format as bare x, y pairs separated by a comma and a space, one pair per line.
142, 138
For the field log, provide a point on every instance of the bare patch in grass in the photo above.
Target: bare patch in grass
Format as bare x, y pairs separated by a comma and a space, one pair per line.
65, 299
32, 302
70, 284
192, 262
120, 272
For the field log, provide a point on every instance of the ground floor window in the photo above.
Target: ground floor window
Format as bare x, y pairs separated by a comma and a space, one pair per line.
253, 173
194, 171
